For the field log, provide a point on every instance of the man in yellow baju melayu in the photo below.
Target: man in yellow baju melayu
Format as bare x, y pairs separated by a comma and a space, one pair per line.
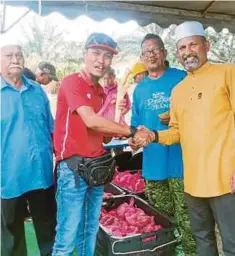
203, 121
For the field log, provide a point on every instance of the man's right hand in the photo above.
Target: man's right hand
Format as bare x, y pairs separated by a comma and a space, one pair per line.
132, 144
142, 138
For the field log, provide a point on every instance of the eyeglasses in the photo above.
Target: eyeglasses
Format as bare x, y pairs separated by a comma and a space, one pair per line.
18, 56
154, 51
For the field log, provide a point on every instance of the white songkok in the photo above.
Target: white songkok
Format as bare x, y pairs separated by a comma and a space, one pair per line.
189, 28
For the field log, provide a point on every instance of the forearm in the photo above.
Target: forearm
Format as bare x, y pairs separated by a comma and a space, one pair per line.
167, 137
107, 127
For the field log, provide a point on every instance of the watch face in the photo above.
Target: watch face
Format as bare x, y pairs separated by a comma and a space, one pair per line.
133, 131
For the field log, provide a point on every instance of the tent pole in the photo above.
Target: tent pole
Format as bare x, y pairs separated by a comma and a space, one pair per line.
208, 8
3, 17
15, 22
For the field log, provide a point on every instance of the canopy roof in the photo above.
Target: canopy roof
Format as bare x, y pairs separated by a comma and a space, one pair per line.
218, 14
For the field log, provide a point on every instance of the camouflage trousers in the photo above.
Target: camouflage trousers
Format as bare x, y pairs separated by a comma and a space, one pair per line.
168, 197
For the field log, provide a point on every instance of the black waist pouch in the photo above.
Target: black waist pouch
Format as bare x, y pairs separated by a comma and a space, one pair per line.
95, 171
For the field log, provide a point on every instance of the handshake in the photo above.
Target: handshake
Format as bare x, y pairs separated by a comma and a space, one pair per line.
142, 138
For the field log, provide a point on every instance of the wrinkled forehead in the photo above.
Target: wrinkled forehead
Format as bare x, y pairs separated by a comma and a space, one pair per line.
11, 49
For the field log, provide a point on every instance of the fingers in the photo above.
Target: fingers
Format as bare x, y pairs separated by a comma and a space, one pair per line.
122, 106
132, 144
143, 137
122, 103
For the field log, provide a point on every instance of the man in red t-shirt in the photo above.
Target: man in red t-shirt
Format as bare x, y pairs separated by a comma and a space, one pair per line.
79, 131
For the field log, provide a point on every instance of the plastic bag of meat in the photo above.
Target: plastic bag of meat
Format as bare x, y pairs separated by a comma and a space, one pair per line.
131, 181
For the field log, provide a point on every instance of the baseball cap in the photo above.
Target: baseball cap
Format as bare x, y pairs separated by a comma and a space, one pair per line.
48, 68
100, 40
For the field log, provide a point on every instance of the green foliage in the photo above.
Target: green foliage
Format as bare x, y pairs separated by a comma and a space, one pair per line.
48, 43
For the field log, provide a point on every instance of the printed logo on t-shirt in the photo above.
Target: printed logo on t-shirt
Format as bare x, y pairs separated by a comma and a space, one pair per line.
88, 96
158, 101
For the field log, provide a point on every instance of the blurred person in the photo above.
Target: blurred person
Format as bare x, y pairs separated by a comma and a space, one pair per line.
108, 110
138, 72
44, 74
51, 90
50, 82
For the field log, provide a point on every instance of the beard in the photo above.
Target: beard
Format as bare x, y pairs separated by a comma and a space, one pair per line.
191, 63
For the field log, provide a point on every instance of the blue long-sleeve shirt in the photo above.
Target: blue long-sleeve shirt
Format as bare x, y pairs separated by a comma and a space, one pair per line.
26, 142
151, 98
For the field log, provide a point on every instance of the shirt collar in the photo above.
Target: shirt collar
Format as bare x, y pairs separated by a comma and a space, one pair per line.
87, 78
96, 87
27, 82
201, 70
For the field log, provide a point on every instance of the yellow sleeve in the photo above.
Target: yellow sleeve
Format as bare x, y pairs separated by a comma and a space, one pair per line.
170, 136
230, 82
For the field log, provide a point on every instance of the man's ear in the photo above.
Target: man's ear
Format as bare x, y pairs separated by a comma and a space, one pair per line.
84, 53
208, 45
142, 57
165, 53
177, 55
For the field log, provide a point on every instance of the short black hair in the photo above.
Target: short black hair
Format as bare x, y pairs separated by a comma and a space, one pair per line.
155, 37
29, 74
167, 63
111, 72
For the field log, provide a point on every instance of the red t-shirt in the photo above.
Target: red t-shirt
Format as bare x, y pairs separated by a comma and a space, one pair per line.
72, 136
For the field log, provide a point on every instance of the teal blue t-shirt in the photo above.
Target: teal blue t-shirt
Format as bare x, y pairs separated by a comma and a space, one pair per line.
151, 98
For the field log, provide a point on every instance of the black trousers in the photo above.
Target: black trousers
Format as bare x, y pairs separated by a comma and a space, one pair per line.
43, 211
204, 213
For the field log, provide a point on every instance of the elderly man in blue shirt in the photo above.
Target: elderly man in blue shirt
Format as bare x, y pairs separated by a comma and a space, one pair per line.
26, 157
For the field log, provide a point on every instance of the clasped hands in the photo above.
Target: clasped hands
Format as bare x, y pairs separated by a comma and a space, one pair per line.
142, 138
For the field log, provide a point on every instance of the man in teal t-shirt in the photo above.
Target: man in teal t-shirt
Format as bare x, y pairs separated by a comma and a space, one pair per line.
162, 165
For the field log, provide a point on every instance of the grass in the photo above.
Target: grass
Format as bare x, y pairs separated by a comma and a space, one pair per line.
31, 241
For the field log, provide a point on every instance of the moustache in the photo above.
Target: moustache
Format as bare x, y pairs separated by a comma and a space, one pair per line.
153, 59
190, 56
16, 66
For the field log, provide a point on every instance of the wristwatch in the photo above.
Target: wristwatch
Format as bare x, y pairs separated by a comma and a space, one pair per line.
133, 131
156, 136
